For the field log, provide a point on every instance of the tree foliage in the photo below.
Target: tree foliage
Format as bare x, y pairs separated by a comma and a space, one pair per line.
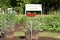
21, 4
4, 3
13, 3
47, 4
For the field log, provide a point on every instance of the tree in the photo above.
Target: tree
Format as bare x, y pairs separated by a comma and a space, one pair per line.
5, 3
21, 4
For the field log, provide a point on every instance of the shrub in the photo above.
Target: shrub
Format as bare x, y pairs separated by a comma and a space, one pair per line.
20, 18
47, 23
51, 23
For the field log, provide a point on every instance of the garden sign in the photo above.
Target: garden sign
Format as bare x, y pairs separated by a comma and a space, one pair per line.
33, 7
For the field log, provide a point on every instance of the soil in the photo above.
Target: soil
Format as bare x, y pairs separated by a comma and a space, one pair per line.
35, 32
27, 37
19, 27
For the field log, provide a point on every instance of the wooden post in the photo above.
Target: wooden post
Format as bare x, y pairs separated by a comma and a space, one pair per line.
28, 34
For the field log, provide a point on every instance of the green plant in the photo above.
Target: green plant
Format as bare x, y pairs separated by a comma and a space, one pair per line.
48, 23
20, 18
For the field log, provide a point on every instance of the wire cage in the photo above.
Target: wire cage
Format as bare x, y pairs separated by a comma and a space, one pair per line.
7, 23
32, 27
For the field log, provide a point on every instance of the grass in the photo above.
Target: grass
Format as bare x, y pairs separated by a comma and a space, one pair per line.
50, 34
19, 34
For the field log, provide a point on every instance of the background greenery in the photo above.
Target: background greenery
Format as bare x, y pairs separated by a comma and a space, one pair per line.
48, 5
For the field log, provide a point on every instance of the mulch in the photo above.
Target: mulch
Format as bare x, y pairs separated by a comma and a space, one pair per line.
40, 38
18, 27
